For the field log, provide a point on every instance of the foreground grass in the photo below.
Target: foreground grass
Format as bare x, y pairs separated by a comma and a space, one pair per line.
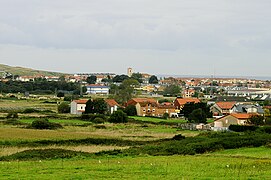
125, 131
153, 167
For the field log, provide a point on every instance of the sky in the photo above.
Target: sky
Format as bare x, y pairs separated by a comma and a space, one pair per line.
181, 37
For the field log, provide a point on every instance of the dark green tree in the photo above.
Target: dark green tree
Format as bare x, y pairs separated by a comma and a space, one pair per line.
137, 76
118, 117
172, 90
120, 78
153, 80
64, 107
197, 116
126, 90
130, 110
99, 105
89, 109
91, 79
256, 120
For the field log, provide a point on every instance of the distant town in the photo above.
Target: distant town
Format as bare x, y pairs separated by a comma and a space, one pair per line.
238, 98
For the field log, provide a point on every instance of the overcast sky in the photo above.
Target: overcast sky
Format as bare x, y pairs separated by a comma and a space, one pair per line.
183, 37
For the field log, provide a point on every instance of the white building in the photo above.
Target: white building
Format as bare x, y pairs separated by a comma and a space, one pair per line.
78, 106
97, 89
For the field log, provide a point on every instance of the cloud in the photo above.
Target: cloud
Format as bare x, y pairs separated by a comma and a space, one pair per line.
194, 34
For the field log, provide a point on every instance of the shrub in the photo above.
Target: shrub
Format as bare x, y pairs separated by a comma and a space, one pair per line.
178, 137
12, 115
98, 120
239, 128
165, 116
118, 117
130, 110
45, 124
30, 110
60, 94
64, 107
91, 117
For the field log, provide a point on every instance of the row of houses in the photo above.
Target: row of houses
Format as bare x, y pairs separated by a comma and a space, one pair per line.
144, 106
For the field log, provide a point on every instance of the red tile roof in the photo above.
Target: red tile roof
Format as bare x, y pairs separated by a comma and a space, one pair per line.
81, 101
142, 101
241, 115
183, 101
111, 102
225, 105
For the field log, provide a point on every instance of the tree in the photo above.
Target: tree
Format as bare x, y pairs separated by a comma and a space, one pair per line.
126, 89
99, 105
153, 80
60, 94
120, 78
130, 110
91, 79
172, 90
256, 120
137, 76
118, 117
64, 107
197, 116
188, 108
89, 109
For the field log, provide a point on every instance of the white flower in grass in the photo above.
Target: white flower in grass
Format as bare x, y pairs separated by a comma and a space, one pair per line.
228, 166
100, 161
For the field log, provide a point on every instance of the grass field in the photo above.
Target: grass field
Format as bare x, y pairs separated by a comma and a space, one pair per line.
15, 105
158, 167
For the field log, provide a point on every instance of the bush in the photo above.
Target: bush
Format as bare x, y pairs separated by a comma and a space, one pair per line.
130, 110
92, 117
12, 115
178, 137
98, 120
44, 124
165, 116
30, 110
239, 128
118, 117
64, 107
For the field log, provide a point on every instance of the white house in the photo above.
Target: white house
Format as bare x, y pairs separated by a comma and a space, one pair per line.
97, 89
112, 105
78, 106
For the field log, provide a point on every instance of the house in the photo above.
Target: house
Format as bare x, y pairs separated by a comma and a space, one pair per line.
188, 93
228, 99
150, 107
221, 108
180, 102
247, 108
231, 119
112, 105
144, 106
78, 106
97, 89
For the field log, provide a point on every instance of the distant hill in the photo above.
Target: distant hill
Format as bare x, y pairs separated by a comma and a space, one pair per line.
21, 71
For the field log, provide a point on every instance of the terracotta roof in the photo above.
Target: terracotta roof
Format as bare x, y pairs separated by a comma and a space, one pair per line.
111, 102
81, 101
183, 101
225, 105
241, 115
142, 101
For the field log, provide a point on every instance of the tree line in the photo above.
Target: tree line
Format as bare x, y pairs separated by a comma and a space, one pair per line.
39, 87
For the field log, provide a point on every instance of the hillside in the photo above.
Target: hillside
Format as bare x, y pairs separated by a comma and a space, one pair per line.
21, 71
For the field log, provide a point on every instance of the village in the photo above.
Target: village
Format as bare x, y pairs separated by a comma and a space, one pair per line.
229, 101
